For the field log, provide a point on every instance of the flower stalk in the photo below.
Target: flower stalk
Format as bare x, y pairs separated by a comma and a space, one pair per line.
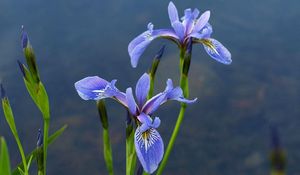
185, 60
8, 113
130, 150
107, 151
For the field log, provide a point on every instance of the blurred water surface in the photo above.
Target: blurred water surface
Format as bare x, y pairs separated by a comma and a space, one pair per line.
226, 132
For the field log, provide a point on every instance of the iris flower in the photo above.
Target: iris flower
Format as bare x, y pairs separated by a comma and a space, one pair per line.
148, 142
188, 27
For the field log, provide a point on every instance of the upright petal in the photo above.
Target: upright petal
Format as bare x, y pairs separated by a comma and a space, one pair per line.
138, 45
179, 29
90, 88
149, 148
142, 89
173, 14
217, 51
188, 21
131, 102
202, 21
196, 13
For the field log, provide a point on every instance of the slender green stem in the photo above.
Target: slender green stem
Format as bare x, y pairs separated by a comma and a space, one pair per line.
130, 149
45, 142
22, 154
107, 151
152, 77
185, 87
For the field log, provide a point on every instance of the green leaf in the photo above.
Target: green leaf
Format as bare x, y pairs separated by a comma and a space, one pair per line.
9, 116
4, 158
39, 95
51, 139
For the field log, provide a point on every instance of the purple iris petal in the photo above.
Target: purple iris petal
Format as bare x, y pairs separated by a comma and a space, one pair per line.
130, 101
147, 122
142, 89
175, 94
196, 13
202, 21
217, 51
179, 29
112, 91
90, 88
138, 45
205, 32
156, 122
149, 148
153, 103
173, 14
188, 21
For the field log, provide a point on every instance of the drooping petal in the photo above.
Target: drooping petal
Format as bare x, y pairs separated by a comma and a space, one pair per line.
170, 93
217, 51
149, 148
131, 102
138, 45
177, 94
91, 88
113, 92
179, 29
173, 14
142, 89
202, 21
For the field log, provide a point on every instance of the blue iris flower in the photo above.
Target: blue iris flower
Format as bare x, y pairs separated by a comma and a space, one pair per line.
188, 27
148, 142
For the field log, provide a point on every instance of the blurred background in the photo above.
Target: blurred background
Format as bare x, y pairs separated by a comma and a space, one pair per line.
226, 132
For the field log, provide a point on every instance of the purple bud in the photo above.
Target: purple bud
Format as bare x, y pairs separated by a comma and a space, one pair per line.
2, 91
21, 67
24, 38
39, 138
160, 52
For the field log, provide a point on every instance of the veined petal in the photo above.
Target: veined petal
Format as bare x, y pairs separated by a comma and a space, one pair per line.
202, 21
142, 89
217, 51
179, 29
173, 14
131, 102
149, 148
91, 88
138, 45
153, 103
